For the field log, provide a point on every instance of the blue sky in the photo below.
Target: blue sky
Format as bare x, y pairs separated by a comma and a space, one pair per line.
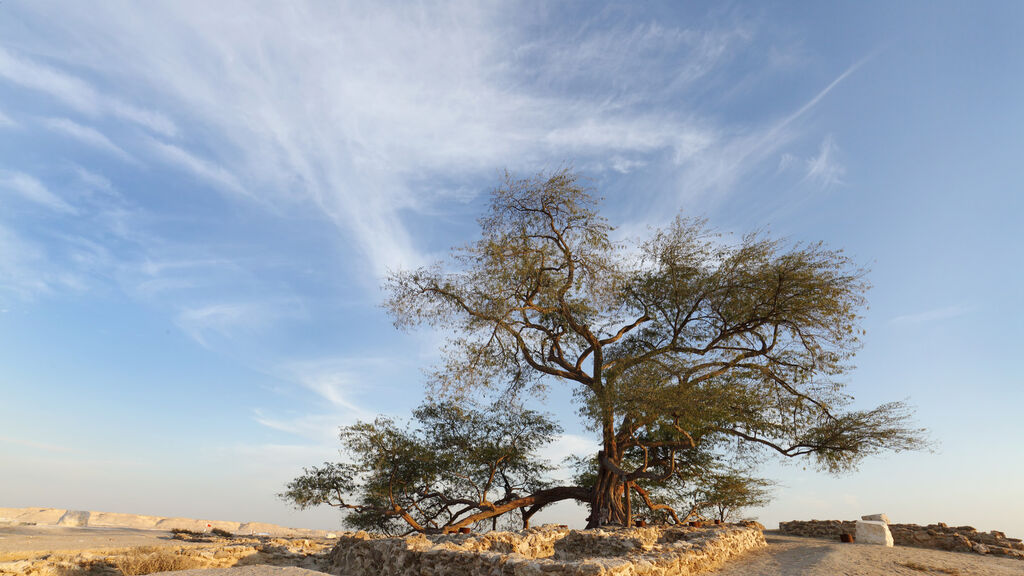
198, 203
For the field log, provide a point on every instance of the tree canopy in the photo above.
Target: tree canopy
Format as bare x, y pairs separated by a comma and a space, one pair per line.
676, 348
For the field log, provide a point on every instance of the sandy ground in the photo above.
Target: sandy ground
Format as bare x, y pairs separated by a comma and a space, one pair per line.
15, 539
247, 571
784, 556
791, 555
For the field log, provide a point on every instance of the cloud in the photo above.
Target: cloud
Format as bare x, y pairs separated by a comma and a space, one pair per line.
824, 169
28, 269
347, 109
203, 169
35, 445
33, 190
5, 121
20, 263
225, 320
933, 315
66, 88
87, 135
94, 181
77, 93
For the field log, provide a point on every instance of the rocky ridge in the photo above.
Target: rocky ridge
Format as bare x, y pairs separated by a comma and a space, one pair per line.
935, 536
90, 518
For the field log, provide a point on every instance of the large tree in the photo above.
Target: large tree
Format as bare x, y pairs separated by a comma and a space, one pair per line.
681, 341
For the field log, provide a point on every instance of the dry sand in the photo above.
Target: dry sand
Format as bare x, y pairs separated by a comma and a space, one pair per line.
17, 539
792, 555
247, 571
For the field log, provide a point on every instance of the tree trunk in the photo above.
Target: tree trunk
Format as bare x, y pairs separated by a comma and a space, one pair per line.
608, 502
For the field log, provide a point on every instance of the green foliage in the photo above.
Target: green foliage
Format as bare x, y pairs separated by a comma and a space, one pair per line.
459, 461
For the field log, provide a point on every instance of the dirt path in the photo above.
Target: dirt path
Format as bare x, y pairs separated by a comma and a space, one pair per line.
791, 556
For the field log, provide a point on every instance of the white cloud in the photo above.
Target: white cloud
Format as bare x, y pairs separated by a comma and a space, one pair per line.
66, 88
94, 181
224, 320
87, 135
345, 108
933, 315
77, 93
204, 169
28, 269
5, 121
20, 265
322, 429
824, 169
33, 190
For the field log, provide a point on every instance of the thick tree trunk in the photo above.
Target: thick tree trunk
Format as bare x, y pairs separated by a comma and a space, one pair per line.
608, 505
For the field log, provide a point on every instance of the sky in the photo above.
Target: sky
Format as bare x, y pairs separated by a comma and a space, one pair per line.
199, 203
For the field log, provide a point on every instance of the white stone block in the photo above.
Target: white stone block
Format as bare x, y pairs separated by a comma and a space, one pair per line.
873, 532
876, 517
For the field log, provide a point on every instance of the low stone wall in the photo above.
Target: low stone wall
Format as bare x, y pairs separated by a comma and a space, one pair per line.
936, 536
546, 551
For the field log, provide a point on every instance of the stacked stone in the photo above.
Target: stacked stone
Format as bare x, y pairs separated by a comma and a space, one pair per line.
957, 539
934, 536
827, 529
546, 551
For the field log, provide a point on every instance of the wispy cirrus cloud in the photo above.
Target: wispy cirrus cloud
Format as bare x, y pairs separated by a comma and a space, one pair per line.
86, 135
823, 170
229, 320
202, 168
77, 93
34, 445
31, 189
933, 315
349, 108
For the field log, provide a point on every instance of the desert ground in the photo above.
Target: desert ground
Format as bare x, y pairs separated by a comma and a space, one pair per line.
794, 555
20, 545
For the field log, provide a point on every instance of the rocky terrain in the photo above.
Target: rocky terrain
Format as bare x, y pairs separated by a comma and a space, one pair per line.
934, 536
548, 551
181, 551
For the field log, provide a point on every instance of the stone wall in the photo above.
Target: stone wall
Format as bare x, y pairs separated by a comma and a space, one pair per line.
937, 536
547, 551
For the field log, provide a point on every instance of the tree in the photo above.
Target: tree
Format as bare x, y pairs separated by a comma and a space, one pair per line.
723, 494
460, 466
683, 342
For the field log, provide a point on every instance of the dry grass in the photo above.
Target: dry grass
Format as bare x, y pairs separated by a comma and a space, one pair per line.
924, 568
147, 560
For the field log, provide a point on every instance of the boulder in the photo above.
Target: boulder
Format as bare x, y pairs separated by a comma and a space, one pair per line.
876, 518
74, 518
874, 532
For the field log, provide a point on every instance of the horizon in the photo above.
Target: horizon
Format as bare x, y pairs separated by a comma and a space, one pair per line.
198, 205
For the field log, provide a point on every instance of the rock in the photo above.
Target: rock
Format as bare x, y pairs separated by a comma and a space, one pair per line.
979, 548
74, 518
874, 532
876, 518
